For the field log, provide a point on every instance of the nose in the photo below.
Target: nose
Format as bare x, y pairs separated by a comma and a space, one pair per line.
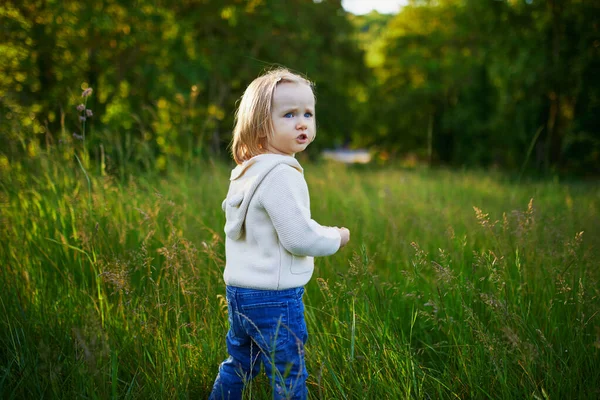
302, 125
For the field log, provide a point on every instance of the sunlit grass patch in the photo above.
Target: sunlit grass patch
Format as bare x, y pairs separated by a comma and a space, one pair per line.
455, 284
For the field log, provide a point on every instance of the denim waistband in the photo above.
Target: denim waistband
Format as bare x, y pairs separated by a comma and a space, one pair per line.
247, 292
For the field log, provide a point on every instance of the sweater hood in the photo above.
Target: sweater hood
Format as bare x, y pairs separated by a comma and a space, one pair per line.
245, 180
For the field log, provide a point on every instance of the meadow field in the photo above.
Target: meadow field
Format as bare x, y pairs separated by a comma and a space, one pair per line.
455, 285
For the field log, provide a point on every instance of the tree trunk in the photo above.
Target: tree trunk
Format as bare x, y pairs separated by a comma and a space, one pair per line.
553, 126
430, 139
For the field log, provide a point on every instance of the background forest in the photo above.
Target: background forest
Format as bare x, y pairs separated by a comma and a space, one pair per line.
507, 83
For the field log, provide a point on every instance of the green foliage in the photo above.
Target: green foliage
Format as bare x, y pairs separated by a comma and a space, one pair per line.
456, 82
166, 75
471, 83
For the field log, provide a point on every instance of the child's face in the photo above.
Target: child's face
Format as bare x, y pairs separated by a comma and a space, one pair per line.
293, 116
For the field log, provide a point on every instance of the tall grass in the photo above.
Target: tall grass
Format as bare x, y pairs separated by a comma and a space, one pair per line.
455, 284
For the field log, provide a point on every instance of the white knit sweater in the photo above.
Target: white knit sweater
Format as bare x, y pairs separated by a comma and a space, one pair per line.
270, 237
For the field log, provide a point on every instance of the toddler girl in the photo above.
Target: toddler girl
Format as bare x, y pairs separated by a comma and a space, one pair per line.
270, 238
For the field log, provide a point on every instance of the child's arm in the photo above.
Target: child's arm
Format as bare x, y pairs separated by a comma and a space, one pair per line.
285, 198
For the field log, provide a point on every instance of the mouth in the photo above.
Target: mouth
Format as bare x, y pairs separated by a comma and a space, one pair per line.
302, 138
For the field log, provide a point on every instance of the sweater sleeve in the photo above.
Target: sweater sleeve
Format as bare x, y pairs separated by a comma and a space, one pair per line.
284, 196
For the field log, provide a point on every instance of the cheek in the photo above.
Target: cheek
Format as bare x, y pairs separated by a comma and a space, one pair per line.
277, 125
287, 124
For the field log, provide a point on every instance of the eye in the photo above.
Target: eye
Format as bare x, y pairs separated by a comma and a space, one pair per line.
308, 115
289, 115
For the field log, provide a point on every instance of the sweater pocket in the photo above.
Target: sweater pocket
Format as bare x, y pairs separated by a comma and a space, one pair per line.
301, 265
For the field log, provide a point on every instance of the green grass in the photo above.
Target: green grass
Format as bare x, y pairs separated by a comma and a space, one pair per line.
118, 293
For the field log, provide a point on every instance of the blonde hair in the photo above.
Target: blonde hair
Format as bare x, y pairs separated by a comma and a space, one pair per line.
253, 124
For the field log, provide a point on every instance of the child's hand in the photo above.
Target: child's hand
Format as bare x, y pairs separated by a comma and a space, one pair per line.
345, 234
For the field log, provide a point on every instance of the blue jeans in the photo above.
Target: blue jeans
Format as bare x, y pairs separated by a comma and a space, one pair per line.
265, 327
